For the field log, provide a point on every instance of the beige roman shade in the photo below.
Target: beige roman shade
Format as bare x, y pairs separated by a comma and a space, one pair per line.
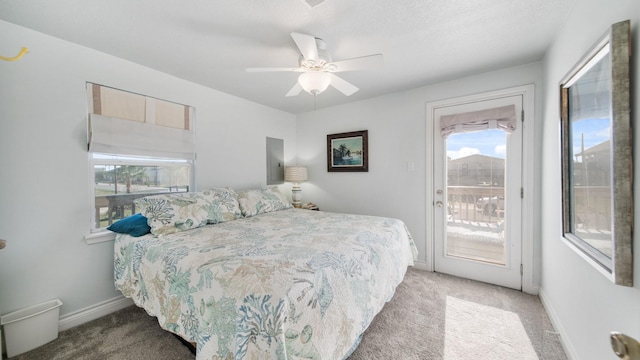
126, 123
503, 118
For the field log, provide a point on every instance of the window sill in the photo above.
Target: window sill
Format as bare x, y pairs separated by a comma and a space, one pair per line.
596, 265
99, 237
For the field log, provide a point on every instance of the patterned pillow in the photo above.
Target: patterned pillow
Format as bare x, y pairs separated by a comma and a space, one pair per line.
258, 201
171, 213
224, 206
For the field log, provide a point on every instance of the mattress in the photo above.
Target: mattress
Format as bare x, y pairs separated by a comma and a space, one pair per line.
289, 284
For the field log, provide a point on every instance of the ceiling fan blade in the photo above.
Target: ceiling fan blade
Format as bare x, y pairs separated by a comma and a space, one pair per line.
359, 63
342, 85
273, 69
295, 90
307, 45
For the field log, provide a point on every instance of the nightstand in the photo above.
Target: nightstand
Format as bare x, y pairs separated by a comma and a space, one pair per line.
310, 206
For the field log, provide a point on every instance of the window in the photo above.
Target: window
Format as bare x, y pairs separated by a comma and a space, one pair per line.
596, 156
119, 180
138, 146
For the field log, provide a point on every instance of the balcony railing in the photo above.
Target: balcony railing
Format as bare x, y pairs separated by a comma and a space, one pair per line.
475, 228
110, 208
486, 204
476, 203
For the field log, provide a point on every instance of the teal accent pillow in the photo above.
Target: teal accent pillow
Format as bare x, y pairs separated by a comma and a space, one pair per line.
134, 225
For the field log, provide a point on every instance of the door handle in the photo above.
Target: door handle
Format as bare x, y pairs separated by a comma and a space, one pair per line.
624, 346
439, 203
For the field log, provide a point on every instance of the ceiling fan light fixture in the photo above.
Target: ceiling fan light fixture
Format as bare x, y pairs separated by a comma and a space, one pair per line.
314, 82
317, 68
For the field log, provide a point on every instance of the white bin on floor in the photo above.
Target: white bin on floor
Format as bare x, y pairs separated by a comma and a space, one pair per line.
28, 328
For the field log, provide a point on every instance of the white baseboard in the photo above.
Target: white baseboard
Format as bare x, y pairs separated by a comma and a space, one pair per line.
555, 321
420, 265
93, 312
530, 287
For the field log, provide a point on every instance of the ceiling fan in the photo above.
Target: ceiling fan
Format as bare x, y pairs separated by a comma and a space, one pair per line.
318, 68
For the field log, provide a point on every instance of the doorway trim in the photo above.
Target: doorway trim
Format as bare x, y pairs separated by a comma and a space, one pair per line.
529, 263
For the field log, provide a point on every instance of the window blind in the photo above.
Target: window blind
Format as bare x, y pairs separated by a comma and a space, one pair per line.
503, 118
126, 123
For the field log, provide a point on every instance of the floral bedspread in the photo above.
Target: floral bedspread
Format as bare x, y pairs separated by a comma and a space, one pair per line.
290, 284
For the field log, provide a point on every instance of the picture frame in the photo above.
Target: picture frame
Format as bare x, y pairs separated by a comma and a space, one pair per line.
348, 152
597, 164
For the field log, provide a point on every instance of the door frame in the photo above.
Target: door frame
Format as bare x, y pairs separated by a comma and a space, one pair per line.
528, 257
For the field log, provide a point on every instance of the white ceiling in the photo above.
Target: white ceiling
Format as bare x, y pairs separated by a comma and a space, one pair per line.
211, 42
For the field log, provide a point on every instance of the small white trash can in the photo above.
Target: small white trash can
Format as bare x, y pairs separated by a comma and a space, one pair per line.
28, 328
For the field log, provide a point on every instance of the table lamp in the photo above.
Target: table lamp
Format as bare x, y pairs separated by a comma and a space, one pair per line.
296, 175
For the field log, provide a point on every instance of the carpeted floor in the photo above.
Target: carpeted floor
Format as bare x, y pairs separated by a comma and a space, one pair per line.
431, 316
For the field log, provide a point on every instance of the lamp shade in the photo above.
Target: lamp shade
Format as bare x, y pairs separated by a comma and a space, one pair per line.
295, 174
314, 82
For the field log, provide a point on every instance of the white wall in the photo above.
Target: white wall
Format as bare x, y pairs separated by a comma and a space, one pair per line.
44, 195
397, 135
586, 306
44, 189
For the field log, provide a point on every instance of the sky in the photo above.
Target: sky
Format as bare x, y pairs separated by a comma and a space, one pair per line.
493, 142
595, 132
488, 142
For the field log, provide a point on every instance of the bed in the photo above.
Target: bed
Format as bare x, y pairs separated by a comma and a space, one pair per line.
266, 282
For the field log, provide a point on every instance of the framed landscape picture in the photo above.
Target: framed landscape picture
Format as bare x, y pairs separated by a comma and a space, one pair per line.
348, 152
